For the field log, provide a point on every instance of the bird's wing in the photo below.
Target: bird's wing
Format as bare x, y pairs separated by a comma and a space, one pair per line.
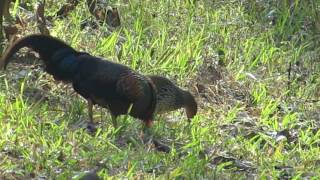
132, 86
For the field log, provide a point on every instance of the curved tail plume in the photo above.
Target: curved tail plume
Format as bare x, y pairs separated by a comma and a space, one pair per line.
46, 46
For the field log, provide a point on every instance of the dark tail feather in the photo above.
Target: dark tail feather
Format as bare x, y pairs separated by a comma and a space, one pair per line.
46, 46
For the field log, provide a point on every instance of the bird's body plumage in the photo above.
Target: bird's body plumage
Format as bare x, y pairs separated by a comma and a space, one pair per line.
170, 97
108, 84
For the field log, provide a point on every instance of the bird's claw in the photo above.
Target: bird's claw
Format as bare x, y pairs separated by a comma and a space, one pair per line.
91, 127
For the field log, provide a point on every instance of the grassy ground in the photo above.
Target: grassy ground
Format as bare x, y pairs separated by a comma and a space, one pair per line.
252, 65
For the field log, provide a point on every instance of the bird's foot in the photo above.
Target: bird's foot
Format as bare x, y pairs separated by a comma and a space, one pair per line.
91, 127
146, 135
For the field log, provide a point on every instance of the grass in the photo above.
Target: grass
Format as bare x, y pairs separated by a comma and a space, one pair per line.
252, 65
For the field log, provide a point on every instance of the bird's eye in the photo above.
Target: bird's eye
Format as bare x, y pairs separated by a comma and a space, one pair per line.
166, 90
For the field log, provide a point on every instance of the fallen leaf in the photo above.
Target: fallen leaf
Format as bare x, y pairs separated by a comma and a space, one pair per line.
10, 32
41, 20
113, 18
66, 8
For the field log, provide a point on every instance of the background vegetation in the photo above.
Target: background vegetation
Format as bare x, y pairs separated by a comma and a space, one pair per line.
253, 66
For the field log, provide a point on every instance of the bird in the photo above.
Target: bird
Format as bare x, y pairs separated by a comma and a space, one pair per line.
171, 97
99, 81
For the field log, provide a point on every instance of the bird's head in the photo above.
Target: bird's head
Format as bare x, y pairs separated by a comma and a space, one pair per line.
190, 104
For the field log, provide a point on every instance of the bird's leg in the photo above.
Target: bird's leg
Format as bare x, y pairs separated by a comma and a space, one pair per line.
147, 129
114, 121
90, 112
91, 127
148, 123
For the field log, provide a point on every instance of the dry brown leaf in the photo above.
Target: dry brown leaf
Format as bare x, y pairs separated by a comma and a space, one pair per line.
41, 20
40, 12
4, 11
66, 8
113, 18
19, 21
108, 15
91, 5
10, 31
